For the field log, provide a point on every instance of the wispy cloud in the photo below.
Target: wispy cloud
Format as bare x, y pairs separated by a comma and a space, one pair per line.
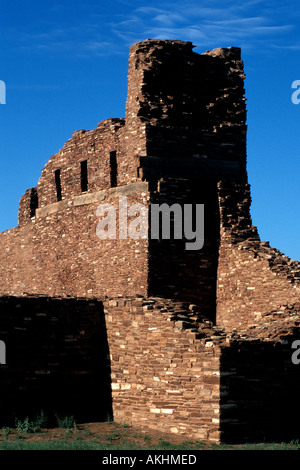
288, 47
85, 39
97, 31
246, 24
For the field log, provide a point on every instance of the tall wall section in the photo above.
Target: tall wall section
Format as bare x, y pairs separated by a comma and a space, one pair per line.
186, 104
256, 283
164, 372
189, 114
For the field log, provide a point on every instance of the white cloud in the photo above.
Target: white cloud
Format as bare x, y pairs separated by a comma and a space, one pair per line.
188, 34
245, 24
234, 22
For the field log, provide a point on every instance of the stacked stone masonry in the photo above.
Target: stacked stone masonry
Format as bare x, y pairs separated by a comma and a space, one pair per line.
184, 334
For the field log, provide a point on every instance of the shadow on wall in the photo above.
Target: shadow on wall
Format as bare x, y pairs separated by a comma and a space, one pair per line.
260, 390
183, 274
57, 360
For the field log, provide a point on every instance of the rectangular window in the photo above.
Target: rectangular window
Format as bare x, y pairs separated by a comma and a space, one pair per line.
34, 202
84, 176
57, 184
113, 169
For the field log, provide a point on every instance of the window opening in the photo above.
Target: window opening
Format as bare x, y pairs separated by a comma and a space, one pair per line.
113, 169
84, 176
58, 184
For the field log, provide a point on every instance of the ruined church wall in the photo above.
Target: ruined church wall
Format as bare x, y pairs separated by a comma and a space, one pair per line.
249, 287
150, 362
107, 164
139, 360
254, 279
162, 375
259, 385
94, 147
56, 359
176, 269
59, 253
199, 147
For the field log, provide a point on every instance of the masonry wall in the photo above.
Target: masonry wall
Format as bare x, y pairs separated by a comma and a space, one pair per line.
182, 376
59, 253
187, 115
190, 128
183, 141
56, 359
254, 279
88, 359
91, 146
176, 269
163, 376
188, 377
259, 390
187, 104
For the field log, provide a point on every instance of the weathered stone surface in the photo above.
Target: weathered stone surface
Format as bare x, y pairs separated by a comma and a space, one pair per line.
190, 335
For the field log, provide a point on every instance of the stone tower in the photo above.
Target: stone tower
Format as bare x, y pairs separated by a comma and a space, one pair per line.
186, 115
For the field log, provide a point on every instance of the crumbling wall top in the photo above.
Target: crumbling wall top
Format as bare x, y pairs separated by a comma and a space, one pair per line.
225, 52
161, 43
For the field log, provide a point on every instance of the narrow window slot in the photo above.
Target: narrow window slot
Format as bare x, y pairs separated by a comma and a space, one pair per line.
113, 169
84, 176
34, 202
58, 184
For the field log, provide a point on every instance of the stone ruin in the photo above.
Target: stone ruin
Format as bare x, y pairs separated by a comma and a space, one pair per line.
192, 342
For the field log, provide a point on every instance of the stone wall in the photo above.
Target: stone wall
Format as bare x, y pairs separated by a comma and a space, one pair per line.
150, 362
163, 376
187, 104
179, 136
259, 390
88, 359
254, 279
56, 359
181, 324
176, 269
91, 146
184, 375
59, 253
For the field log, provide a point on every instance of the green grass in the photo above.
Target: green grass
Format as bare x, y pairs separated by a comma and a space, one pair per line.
32, 434
34, 425
51, 445
78, 444
67, 422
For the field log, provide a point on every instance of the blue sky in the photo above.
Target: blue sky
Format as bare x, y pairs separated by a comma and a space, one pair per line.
65, 68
